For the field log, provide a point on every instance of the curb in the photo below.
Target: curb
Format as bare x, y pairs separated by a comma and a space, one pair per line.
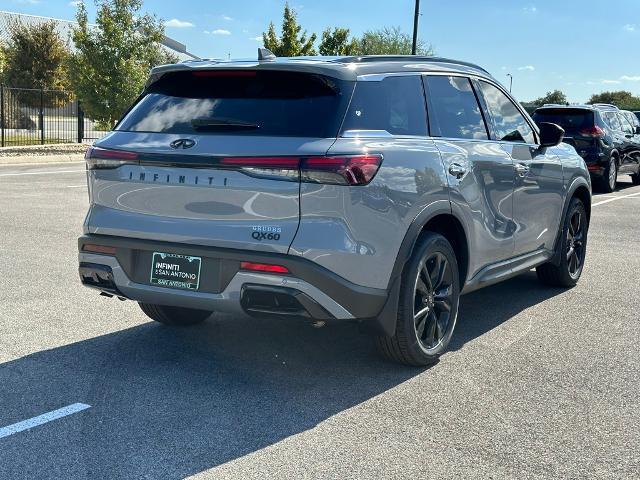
34, 159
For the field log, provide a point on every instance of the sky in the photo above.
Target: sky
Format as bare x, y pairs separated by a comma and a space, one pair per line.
578, 46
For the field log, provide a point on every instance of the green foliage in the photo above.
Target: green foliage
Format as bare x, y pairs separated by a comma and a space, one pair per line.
557, 96
291, 43
337, 42
390, 41
36, 57
113, 59
621, 99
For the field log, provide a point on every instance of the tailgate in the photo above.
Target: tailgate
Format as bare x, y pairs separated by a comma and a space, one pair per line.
210, 158
195, 199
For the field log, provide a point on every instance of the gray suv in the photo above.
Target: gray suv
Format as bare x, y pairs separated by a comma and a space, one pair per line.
374, 189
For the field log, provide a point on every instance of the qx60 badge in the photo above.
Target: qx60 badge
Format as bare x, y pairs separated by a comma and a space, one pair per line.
182, 143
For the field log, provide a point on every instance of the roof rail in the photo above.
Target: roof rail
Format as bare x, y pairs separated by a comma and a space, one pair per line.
406, 59
604, 105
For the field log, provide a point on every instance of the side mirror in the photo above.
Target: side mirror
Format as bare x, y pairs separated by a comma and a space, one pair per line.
637, 130
550, 134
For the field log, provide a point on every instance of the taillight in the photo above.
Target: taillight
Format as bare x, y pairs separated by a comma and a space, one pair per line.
595, 132
224, 73
334, 169
341, 170
263, 267
101, 158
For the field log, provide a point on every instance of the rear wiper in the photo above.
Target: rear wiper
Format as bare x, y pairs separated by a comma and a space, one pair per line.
222, 124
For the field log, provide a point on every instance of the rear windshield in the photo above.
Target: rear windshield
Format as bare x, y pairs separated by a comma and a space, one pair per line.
244, 102
569, 119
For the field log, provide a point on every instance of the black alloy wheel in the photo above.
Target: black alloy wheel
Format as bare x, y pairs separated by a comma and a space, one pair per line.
575, 243
427, 304
433, 299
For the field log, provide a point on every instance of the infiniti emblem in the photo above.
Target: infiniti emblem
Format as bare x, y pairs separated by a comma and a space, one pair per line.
183, 143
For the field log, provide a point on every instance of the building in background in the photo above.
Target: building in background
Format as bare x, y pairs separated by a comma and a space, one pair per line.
64, 28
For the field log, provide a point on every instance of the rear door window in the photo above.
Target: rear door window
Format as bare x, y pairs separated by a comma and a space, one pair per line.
611, 119
624, 122
246, 102
394, 104
510, 125
453, 109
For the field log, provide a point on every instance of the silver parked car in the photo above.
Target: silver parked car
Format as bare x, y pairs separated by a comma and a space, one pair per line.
376, 189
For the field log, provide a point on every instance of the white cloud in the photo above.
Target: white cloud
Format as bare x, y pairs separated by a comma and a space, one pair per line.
227, 18
611, 82
530, 68
530, 9
628, 78
219, 31
28, 2
175, 23
630, 27
75, 3
257, 39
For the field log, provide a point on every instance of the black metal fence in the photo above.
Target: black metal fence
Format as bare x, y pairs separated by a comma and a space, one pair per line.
39, 117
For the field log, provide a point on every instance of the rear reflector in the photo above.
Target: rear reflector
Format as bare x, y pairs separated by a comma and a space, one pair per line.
103, 249
263, 267
101, 158
594, 168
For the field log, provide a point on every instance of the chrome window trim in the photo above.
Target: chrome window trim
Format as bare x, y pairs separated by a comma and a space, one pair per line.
378, 77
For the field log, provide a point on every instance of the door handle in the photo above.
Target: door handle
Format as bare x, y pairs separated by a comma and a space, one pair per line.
457, 170
521, 169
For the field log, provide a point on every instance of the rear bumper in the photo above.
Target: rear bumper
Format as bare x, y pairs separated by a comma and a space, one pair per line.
309, 291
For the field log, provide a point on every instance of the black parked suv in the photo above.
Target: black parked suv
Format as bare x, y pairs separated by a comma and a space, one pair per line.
602, 135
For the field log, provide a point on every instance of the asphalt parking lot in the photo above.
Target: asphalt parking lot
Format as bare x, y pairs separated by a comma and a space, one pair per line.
539, 382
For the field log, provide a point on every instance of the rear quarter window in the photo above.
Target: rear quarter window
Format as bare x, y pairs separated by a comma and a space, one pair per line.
246, 102
394, 104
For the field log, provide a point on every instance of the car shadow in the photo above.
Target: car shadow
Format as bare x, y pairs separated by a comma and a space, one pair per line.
624, 182
168, 403
483, 310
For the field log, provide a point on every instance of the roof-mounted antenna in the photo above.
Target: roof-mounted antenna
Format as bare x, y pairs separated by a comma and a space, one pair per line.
264, 54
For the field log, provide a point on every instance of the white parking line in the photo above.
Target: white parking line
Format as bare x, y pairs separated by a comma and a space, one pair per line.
615, 198
77, 186
42, 419
39, 173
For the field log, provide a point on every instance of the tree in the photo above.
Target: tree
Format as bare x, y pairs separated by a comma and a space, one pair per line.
292, 43
113, 58
36, 57
557, 96
390, 41
337, 42
621, 99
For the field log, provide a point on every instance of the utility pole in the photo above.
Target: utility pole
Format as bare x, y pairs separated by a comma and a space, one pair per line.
416, 15
510, 82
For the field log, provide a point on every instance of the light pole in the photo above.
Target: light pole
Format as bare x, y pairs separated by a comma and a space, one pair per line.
416, 14
510, 81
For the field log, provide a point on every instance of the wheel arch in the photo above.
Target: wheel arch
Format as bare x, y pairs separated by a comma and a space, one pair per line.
435, 218
579, 188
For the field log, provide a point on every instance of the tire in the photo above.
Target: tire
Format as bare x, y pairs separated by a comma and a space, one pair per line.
174, 316
433, 289
635, 179
609, 181
573, 247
